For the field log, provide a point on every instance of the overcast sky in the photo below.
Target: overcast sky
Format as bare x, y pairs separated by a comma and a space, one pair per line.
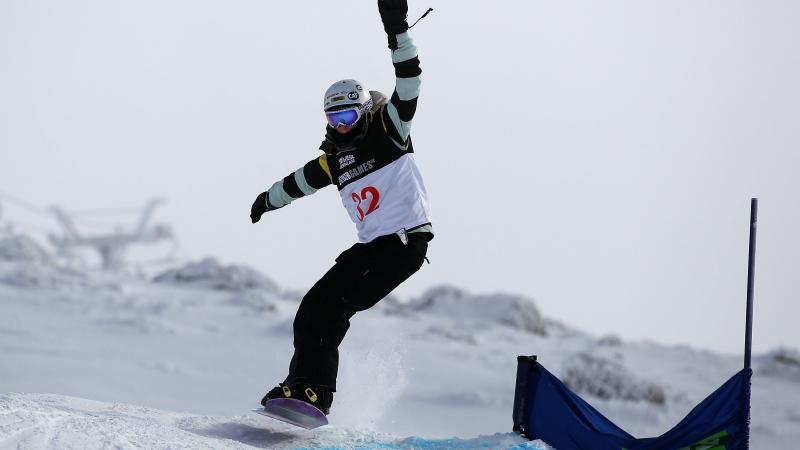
598, 157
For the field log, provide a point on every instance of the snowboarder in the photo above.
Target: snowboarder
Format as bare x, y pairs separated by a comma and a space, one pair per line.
368, 155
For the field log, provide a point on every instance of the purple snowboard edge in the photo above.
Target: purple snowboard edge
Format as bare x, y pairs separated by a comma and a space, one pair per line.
295, 412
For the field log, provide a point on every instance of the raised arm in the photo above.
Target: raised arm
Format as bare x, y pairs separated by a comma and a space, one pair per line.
403, 103
304, 181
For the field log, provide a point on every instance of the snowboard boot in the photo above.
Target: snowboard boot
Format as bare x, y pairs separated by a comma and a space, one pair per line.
320, 397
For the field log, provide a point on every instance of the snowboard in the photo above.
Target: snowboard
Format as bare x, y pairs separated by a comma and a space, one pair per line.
295, 412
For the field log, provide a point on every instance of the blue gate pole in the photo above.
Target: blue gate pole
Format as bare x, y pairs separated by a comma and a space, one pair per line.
751, 272
748, 334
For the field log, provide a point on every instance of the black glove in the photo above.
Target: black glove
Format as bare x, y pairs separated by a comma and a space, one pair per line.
259, 207
393, 15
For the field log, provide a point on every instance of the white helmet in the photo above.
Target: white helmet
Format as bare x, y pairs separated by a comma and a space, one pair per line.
347, 94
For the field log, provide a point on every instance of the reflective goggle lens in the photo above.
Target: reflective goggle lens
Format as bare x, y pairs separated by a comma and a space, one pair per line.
345, 117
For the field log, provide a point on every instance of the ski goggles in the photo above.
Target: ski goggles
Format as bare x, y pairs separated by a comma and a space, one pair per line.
343, 118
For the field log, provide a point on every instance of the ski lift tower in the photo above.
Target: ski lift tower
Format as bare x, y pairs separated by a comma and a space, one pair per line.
112, 246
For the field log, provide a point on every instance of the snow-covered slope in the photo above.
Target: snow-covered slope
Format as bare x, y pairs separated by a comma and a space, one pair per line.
210, 339
58, 422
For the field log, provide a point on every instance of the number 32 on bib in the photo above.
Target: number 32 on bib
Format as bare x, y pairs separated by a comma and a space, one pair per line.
368, 197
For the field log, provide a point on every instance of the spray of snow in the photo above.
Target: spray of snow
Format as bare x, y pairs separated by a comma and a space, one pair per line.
371, 378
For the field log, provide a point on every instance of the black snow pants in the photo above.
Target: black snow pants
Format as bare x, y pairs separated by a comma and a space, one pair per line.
362, 276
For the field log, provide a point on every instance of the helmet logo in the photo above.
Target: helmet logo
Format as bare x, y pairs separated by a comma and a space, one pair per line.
345, 93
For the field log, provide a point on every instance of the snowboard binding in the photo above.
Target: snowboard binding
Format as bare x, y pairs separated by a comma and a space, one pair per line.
319, 397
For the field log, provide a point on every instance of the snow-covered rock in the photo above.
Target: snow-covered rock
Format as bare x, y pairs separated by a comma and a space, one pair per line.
266, 302
210, 274
20, 248
509, 310
41, 276
610, 340
607, 379
782, 361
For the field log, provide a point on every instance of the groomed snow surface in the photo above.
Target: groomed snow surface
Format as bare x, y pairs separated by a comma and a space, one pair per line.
206, 340
58, 422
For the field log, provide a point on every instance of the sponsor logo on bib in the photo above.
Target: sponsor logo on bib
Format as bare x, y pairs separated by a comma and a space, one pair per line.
346, 160
361, 169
